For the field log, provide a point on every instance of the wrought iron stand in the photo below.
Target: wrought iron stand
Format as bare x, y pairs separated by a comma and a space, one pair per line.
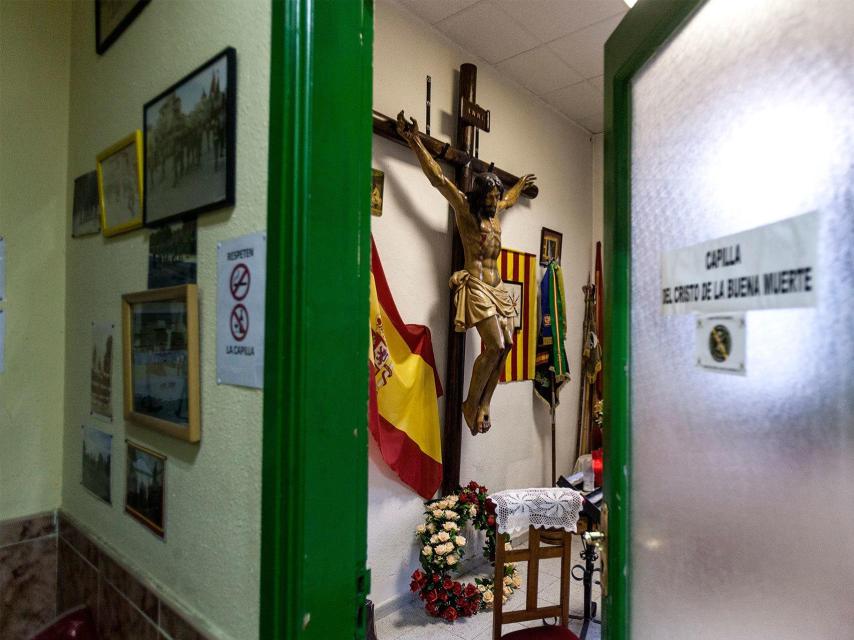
590, 556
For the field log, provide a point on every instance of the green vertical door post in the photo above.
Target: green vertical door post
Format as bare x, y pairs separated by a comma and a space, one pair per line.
314, 530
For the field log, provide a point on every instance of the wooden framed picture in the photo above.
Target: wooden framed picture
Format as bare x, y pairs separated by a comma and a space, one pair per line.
550, 246
112, 17
160, 348
120, 185
145, 489
190, 143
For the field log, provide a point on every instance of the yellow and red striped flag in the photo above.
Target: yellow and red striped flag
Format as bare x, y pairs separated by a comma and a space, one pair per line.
403, 412
519, 272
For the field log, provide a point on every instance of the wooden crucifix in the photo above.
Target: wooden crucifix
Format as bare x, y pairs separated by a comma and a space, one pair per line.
477, 194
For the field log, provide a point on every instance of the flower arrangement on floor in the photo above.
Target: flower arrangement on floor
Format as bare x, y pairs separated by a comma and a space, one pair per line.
442, 550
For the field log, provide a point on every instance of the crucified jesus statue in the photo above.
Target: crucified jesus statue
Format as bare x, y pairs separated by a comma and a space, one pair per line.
479, 295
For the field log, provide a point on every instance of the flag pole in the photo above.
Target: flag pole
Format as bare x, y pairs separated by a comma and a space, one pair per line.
554, 439
585, 329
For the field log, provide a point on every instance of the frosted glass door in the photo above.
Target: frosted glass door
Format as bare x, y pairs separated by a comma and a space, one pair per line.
743, 487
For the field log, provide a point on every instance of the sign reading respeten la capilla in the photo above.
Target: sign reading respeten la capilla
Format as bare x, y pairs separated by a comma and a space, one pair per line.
241, 283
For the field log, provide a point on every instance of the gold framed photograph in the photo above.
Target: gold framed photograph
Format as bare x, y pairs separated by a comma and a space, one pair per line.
550, 246
377, 185
160, 348
120, 185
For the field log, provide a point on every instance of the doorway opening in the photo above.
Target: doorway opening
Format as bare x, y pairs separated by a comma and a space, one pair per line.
509, 116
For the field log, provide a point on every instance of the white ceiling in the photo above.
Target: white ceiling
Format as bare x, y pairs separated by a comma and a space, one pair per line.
553, 48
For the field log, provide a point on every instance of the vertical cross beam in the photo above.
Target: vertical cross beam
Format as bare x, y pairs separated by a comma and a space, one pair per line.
451, 435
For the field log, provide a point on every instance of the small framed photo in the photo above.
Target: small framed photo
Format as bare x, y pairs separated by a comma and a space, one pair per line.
172, 255
517, 296
112, 17
160, 348
377, 182
120, 185
101, 388
550, 246
190, 143
146, 487
86, 211
97, 462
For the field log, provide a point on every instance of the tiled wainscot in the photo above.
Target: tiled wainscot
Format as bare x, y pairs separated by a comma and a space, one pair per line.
27, 575
48, 565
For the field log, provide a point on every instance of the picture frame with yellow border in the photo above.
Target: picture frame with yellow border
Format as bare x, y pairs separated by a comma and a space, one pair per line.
120, 185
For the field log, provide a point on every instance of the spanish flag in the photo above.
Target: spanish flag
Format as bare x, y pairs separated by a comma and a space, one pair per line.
403, 413
519, 272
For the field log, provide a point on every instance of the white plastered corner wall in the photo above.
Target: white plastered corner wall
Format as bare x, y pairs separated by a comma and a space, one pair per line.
413, 241
210, 560
33, 139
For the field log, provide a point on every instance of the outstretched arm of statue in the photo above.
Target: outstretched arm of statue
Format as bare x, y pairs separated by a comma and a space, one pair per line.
409, 132
512, 196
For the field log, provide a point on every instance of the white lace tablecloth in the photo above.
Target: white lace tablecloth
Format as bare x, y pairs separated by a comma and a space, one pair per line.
548, 508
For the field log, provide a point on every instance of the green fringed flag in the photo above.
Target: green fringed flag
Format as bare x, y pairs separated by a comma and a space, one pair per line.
552, 367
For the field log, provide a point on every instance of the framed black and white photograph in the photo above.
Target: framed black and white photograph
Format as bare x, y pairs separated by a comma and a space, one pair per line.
112, 17
172, 255
86, 211
146, 487
97, 462
101, 377
160, 349
517, 296
550, 246
189, 133
120, 185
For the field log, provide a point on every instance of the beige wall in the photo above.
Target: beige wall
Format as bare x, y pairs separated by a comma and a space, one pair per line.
598, 193
210, 560
413, 242
34, 45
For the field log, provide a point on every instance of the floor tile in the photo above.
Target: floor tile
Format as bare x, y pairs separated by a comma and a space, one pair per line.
411, 622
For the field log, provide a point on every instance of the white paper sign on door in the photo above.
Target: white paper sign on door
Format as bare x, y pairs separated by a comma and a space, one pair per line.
769, 267
241, 285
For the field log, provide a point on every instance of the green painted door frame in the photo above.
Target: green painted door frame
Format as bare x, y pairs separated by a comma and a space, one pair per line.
638, 37
314, 505
314, 532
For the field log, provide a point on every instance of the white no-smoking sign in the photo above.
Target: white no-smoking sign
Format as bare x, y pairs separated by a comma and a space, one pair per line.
241, 280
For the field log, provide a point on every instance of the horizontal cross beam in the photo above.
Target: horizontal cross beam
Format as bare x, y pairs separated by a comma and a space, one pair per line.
386, 127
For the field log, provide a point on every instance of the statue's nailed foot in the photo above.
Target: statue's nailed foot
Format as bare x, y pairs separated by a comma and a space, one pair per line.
483, 423
471, 414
